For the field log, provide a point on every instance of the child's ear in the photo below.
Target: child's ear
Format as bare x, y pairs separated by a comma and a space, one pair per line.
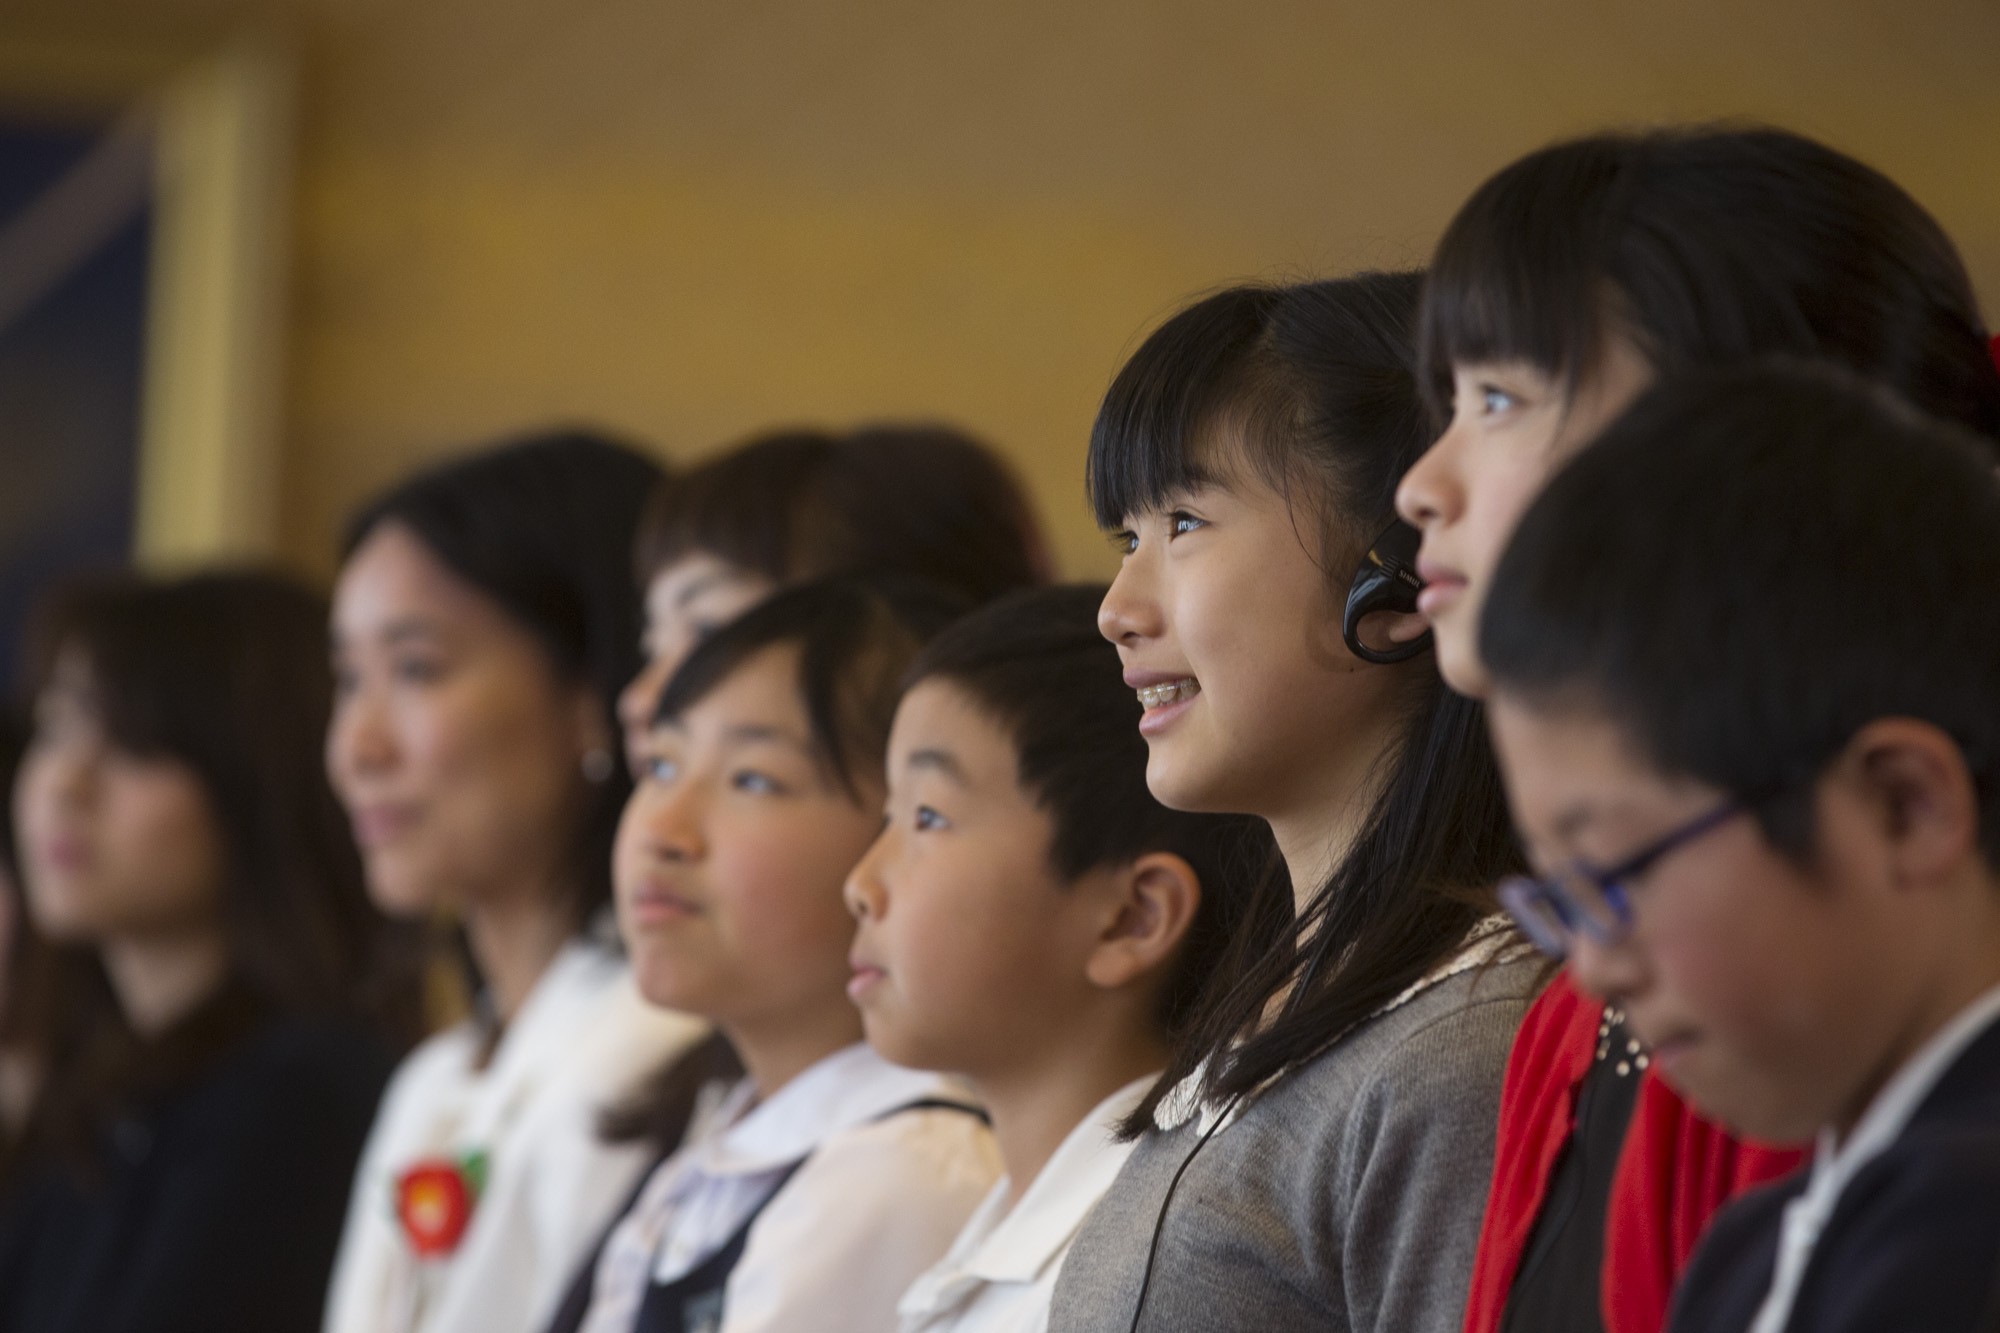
1915, 776
1157, 897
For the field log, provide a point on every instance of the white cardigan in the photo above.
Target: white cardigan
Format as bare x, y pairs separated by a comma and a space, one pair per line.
580, 1043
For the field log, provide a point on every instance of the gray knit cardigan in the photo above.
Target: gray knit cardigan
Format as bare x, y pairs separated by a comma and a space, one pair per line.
1345, 1196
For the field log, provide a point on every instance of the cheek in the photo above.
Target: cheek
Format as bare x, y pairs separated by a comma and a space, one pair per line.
777, 892
497, 766
1259, 629
629, 858
982, 956
1752, 975
159, 852
946, 936
1499, 490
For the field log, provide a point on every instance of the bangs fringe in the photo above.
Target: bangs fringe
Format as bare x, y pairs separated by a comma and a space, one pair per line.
1152, 438
1523, 271
856, 636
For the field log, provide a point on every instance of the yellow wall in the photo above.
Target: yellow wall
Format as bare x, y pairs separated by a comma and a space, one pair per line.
692, 218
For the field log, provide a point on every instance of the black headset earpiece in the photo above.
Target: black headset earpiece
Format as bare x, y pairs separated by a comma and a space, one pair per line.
1386, 581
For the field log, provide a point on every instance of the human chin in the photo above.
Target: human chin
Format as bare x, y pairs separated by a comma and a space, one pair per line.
1741, 1095
886, 1022
398, 886
1455, 631
665, 975
1182, 775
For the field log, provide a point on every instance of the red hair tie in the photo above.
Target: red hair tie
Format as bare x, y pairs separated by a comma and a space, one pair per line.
1994, 347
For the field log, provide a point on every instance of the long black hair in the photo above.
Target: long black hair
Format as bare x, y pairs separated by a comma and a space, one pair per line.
544, 526
1708, 246
1315, 386
227, 674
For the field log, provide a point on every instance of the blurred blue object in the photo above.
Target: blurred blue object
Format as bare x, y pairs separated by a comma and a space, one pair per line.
75, 235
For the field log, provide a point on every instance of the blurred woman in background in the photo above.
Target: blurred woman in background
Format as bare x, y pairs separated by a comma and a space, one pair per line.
792, 507
483, 624
209, 1077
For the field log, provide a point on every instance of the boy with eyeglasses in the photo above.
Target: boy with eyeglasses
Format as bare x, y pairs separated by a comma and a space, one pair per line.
1759, 793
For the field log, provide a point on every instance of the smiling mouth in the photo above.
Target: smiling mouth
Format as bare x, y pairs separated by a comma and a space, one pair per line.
1173, 692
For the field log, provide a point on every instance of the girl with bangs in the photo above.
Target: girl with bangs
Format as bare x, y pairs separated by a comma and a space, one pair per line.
811, 1181
1314, 1155
209, 995
1568, 283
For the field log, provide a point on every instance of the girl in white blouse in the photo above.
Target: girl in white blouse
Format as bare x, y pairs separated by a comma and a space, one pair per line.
1033, 919
483, 623
818, 1180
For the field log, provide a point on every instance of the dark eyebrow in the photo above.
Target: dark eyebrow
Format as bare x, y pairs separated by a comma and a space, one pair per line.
763, 733
939, 761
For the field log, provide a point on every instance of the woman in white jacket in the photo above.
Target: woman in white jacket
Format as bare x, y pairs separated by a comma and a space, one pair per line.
483, 624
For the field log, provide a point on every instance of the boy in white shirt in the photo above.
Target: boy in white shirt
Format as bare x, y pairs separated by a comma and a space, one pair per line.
1033, 920
1761, 790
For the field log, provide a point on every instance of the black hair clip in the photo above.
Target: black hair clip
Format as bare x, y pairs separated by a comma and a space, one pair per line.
1386, 581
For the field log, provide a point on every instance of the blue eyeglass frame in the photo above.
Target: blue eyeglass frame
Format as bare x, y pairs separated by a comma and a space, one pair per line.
1538, 904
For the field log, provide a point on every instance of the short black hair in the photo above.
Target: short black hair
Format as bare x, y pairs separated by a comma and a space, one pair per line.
1750, 566
1035, 663
1709, 245
856, 637
543, 525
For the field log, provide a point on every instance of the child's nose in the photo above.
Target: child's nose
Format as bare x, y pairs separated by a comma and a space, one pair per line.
1129, 611
1429, 492
1613, 973
862, 891
672, 825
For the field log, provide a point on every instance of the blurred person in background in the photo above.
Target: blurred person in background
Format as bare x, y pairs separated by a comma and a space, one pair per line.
793, 507
483, 623
19, 1069
210, 1074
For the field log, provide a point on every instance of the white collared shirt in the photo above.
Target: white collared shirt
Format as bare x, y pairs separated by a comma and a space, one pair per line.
582, 1041
1836, 1163
878, 1199
1000, 1274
